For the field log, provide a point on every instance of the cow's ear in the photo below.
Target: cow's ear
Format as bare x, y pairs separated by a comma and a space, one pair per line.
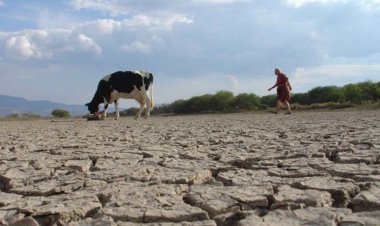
87, 104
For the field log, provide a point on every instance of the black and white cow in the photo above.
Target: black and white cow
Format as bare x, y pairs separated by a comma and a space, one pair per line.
124, 84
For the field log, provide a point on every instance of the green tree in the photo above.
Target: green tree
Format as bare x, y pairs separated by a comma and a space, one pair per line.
269, 100
245, 101
60, 113
300, 98
221, 101
325, 94
162, 109
178, 106
369, 91
352, 93
198, 104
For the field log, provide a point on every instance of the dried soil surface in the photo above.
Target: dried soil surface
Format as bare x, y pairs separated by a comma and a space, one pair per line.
204, 170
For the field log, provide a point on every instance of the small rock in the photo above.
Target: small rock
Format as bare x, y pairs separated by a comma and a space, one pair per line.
362, 218
367, 200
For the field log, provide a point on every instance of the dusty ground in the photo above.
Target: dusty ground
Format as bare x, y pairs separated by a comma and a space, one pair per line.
236, 169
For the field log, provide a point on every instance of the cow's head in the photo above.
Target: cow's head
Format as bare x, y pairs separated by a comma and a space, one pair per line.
102, 93
92, 107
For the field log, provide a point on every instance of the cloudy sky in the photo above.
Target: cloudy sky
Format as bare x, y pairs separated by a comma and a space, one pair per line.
59, 50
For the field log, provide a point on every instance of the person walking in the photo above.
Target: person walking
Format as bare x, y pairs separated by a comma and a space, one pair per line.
283, 90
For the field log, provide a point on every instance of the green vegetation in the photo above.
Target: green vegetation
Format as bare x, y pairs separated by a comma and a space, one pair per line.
329, 97
60, 113
22, 116
352, 93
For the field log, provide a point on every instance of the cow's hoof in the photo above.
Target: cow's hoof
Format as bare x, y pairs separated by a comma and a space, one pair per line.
117, 118
95, 117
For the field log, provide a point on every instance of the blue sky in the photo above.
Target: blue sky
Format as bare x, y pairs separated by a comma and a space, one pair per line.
59, 50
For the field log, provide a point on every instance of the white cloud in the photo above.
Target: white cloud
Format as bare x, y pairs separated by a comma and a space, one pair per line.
20, 47
365, 4
45, 43
1, 3
126, 7
326, 75
369, 4
337, 71
138, 46
233, 80
88, 44
299, 3
139, 22
103, 26
218, 1
175, 19
114, 7
157, 21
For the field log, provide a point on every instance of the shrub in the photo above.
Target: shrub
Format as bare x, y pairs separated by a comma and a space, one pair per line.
245, 101
269, 100
325, 94
221, 101
22, 116
198, 104
129, 112
60, 113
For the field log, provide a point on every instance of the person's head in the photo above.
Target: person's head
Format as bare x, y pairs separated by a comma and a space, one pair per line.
277, 71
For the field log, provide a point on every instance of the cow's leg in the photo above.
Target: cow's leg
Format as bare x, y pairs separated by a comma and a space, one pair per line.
140, 110
105, 109
117, 110
148, 105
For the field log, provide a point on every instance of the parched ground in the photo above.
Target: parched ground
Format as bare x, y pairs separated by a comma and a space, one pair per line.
204, 170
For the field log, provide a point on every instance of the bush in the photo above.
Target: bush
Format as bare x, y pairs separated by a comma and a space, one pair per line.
352, 93
60, 113
325, 94
162, 109
269, 100
300, 98
198, 104
221, 101
129, 112
178, 106
23, 116
245, 101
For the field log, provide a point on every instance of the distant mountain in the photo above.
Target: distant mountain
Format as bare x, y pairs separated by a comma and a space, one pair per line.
12, 105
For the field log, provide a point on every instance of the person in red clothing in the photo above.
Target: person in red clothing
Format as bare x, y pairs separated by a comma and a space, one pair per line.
283, 90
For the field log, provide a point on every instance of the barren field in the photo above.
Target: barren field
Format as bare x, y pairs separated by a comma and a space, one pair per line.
204, 170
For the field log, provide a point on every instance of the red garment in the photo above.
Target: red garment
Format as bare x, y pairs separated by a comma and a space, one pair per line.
283, 93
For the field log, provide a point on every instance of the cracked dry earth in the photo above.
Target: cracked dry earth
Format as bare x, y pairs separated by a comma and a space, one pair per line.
205, 170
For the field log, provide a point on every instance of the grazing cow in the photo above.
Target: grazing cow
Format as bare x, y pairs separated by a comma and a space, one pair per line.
123, 84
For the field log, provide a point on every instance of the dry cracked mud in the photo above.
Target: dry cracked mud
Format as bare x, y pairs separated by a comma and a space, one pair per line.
204, 170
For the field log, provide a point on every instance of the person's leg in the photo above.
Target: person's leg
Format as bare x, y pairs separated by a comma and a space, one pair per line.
288, 107
278, 106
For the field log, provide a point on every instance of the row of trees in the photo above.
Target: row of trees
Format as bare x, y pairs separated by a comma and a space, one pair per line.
225, 101
353, 93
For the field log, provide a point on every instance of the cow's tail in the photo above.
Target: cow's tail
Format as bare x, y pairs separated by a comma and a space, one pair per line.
151, 97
